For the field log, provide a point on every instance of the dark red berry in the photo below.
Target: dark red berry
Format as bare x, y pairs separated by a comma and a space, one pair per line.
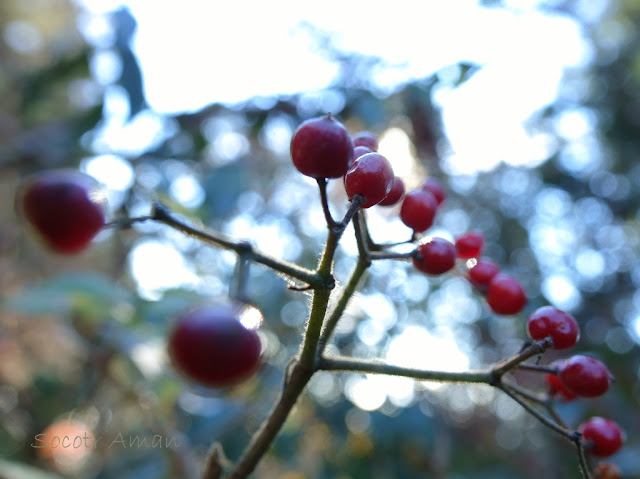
556, 388
366, 138
418, 210
395, 193
435, 256
358, 151
602, 437
65, 208
371, 176
505, 294
482, 272
470, 244
322, 148
434, 187
585, 376
211, 346
548, 321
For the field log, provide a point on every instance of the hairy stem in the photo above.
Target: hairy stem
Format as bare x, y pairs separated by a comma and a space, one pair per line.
339, 363
295, 382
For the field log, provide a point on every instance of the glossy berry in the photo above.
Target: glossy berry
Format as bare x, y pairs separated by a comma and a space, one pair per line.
434, 187
65, 208
435, 256
322, 148
481, 274
470, 245
365, 138
395, 193
602, 437
418, 210
556, 388
561, 327
358, 151
585, 376
505, 294
211, 346
371, 176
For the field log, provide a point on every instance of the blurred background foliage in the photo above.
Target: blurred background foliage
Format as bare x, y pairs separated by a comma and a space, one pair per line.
82, 338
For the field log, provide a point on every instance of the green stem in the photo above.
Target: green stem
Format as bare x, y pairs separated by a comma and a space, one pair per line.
296, 380
345, 295
339, 363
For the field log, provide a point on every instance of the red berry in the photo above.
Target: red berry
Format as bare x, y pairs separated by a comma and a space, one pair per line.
585, 376
435, 256
322, 148
395, 193
418, 210
481, 274
548, 321
371, 176
65, 208
434, 187
358, 151
210, 345
366, 138
555, 386
505, 294
470, 244
603, 437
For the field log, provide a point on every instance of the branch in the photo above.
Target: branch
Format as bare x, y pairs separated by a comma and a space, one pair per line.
294, 384
340, 363
243, 248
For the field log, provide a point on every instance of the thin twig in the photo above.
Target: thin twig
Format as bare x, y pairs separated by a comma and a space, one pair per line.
534, 412
324, 200
340, 363
538, 368
161, 214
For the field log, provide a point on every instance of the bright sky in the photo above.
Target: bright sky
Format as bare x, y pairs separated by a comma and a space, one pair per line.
194, 53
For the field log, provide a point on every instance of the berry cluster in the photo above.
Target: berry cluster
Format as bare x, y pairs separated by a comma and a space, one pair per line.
371, 176
213, 346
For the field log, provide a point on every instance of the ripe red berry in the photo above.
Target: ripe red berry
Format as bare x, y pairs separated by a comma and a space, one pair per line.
585, 376
603, 437
435, 256
556, 388
395, 193
358, 151
418, 210
65, 208
371, 176
322, 148
366, 138
505, 294
210, 345
434, 187
470, 244
548, 321
481, 274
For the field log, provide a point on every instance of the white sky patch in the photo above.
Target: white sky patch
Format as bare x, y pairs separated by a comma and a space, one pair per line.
416, 347
158, 266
